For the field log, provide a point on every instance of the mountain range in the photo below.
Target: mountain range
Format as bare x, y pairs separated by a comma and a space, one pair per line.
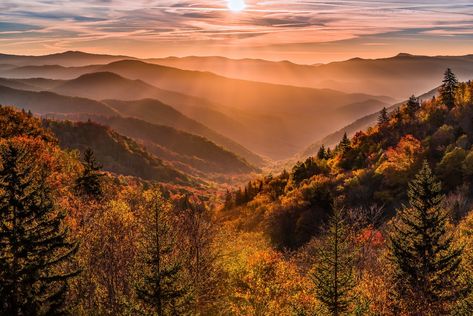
265, 118
242, 114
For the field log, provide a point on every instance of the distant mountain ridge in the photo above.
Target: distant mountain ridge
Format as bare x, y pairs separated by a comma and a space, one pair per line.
397, 76
263, 111
49, 102
265, 118
68, 58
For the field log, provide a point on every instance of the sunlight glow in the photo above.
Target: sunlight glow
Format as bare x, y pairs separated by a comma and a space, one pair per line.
236, 5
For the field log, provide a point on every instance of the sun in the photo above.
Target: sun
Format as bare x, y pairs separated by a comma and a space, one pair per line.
236, 5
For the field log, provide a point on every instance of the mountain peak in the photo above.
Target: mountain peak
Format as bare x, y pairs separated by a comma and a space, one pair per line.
404, 55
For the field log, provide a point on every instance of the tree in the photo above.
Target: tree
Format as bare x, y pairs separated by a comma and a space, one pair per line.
412, 105
197, 239
426, 263
344, 143
161, 289
332, 275
383, 116
34, 242
448, 88
321, 153
89, 183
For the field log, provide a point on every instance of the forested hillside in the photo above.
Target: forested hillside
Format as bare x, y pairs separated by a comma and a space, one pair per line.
371, 168
117, 153
189, 153
391, 201
108, 229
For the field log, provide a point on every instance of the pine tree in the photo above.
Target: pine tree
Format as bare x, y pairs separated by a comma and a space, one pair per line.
160, 289
332, 275
90, 182
412, 105
344, 143
425, 260
321, 153
448, 88
383, 116
34, 242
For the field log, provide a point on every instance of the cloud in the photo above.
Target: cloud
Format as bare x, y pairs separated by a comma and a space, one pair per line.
207, 26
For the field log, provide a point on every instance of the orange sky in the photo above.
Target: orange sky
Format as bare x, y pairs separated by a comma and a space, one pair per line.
303, 31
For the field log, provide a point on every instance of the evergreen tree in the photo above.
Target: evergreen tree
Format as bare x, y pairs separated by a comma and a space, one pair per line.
161, 288
412, 105
425, 260
344, 143
383, 116
321, 153
90, 182
448, 88
34, 243
332, 275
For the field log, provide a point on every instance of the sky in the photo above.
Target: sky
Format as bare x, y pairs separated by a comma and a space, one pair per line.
302, 31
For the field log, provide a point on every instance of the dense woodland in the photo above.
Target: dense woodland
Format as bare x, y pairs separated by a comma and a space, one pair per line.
378, 225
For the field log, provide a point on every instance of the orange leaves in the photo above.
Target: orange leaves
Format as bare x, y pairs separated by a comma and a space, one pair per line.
270, 285
370, 236
402, 157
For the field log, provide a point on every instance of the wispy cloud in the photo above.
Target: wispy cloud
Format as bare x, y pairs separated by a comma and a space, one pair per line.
300, 28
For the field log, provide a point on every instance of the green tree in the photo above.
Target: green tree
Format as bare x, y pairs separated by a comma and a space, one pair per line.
426, 263
448, 88
412, 105
321, 154
161, 288
89, 182
383, 116
332, 275
344, 143
34, 243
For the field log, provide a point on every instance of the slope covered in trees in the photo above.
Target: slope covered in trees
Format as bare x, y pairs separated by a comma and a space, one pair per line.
117, 153
325, 238
372, 168
186, 152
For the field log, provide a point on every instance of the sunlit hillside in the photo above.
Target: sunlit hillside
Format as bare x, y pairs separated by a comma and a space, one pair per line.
236, 157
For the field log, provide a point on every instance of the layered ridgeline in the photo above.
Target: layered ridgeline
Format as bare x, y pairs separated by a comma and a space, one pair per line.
371, 168
116, 153
29, 94
266, 118
188, 153
395, 76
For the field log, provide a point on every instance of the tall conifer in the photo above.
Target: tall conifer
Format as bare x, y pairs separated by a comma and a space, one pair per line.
412, 105
422, 251
383, 116
332, 275
448, 88
34, 246
161, 288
